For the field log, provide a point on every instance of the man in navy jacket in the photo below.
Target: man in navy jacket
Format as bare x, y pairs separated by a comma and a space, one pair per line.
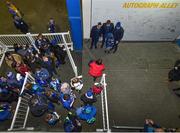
107, 27
118, 35
95, 34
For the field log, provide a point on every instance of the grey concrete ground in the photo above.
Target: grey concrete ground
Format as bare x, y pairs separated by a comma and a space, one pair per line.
137, 83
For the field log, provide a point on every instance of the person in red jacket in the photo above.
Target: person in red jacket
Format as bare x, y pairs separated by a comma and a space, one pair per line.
96, 68
21, 68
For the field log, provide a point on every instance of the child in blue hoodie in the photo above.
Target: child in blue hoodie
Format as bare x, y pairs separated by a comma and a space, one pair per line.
109, 42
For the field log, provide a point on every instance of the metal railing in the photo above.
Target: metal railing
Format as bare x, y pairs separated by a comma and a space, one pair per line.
62, 39
74, 67
105, 113
30, 39
22, 109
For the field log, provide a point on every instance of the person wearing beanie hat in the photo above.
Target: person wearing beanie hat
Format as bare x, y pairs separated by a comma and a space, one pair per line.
118, 35
88, 98
67, 101
87, 113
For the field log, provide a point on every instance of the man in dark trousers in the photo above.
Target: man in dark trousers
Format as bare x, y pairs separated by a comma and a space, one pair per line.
95, 34
107, 27
20, 24
118, 35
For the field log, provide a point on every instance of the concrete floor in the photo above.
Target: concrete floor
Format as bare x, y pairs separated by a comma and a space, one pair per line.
137, 83
36, 14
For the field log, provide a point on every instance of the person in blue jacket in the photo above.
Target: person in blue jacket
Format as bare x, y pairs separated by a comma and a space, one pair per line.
109, 42
5, 112
95, 34
37, 89
51, 25
42, 74
72, 124
87, 113
151, 126
48, 63
52, 118
67, 101
106, 28
118, 35
55, 84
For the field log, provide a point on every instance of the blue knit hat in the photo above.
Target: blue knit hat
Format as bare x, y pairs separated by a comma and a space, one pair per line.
89, 94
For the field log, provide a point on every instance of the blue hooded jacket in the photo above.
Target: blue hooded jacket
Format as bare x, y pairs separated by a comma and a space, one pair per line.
109, 40
118, 32
86, 113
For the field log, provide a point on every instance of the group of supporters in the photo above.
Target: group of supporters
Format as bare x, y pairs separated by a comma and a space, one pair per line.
48, 91
111, 36
19, 22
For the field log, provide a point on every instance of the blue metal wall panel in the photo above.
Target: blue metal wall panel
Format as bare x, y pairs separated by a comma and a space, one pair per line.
74, 15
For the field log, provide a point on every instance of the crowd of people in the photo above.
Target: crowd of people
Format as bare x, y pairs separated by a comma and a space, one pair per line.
19, 22
48, 91
111, 36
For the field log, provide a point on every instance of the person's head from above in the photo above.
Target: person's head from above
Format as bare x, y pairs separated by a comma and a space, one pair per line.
34, 101
64, 86
99, 61
8, 56
24, 46
108, 22
89, 94
66, 97
48, 117
99, 25
40, 36
87, 110
38, 68
118, 25
16, 17
8, 3
51, 21
48, 93
45, 58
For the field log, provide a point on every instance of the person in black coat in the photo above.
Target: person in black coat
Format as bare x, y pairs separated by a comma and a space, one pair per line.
118, 35
174, 74
38, 105
107, 27
20, 24
88, 98
59, 53
95, 34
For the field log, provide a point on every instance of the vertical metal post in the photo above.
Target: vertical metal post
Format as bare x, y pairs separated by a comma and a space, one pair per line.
70, 57
103, 113
31, 39
106, 104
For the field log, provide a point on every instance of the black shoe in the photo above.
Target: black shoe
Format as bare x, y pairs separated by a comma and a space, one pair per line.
95, 47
